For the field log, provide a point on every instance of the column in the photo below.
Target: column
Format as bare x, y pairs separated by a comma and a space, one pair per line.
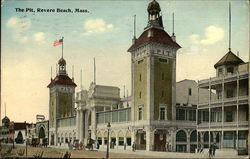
209, 110
222, 139
188, 142
237, 113
149, 141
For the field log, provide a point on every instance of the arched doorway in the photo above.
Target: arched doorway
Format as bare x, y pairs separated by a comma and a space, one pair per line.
19, 138
193, 141
41, 133
181, 141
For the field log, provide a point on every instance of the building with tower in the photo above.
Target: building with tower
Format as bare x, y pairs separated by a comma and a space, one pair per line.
160, 114
61, 105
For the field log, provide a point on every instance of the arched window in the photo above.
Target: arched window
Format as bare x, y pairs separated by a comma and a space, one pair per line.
193, 136
206, 137
181, 136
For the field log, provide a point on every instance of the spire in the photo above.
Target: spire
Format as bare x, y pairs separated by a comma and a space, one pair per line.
81, 79
73, 72
94, 72
4, 108
229, 48
134, 38
51, 73
173, 35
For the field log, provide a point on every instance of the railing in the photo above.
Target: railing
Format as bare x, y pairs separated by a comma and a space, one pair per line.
227, 101
214, 125
227, 78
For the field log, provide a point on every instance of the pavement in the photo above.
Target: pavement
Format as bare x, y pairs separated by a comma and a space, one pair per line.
56, 152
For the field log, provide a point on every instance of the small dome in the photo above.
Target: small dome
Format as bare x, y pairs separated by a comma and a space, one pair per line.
5, 119
62, 61
154, 6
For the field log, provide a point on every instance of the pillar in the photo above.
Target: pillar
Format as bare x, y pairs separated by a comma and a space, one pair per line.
149, 139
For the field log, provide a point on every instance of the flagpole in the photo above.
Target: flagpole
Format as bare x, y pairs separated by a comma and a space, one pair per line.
62, 47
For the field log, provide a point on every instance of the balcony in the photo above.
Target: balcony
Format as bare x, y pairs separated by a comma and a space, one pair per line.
226, 125
227, 102
219, 80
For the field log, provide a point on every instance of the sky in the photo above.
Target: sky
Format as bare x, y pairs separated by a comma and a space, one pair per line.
105, 32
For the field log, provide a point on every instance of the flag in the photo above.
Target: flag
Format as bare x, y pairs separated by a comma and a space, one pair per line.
58, 42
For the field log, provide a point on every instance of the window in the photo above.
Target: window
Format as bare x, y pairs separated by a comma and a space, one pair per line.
162, 93
192, 115
180, 114
230, 70
189, 91
140, 77
220, 71
140, 113
140, 95
121, 141
219, 94
140, 61
219, 116
230, 93
205, 116
105, 140
163, 60
212, 116
113, 140
162, 76
181, 136
128, 141
99, 139
162, 113
229, 116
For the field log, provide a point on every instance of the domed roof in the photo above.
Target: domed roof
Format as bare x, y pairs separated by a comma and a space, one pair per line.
62, 61
154, 5
5, 119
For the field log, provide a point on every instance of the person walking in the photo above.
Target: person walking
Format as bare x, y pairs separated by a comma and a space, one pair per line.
133, 146
214, 149
210, 151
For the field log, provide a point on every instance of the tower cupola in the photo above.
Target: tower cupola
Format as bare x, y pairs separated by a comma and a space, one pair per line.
62, 66
154, 17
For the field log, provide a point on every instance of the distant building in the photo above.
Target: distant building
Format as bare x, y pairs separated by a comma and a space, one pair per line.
14, 131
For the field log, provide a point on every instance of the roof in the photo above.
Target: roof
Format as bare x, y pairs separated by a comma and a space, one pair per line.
62, 61
157, 35
229, 59
154, 5
20, 126
62, 80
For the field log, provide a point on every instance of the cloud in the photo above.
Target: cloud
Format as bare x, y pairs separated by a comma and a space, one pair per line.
212, 35
96, 26
19, 26
39, 37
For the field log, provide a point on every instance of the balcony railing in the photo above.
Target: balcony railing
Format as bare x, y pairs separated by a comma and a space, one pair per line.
218, 125
227, 78
227, 102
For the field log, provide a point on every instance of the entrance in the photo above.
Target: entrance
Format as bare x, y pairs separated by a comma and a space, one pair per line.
160, 141
141, 140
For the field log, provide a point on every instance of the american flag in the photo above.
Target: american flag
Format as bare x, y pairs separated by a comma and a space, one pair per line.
58, 42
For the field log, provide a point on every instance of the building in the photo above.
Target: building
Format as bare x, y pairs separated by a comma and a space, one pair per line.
14, 132
225, 119
147, 118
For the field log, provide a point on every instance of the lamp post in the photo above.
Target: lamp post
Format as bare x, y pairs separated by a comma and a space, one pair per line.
107, 155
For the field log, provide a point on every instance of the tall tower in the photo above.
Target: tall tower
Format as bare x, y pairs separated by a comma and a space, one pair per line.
153, 62
62, 90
